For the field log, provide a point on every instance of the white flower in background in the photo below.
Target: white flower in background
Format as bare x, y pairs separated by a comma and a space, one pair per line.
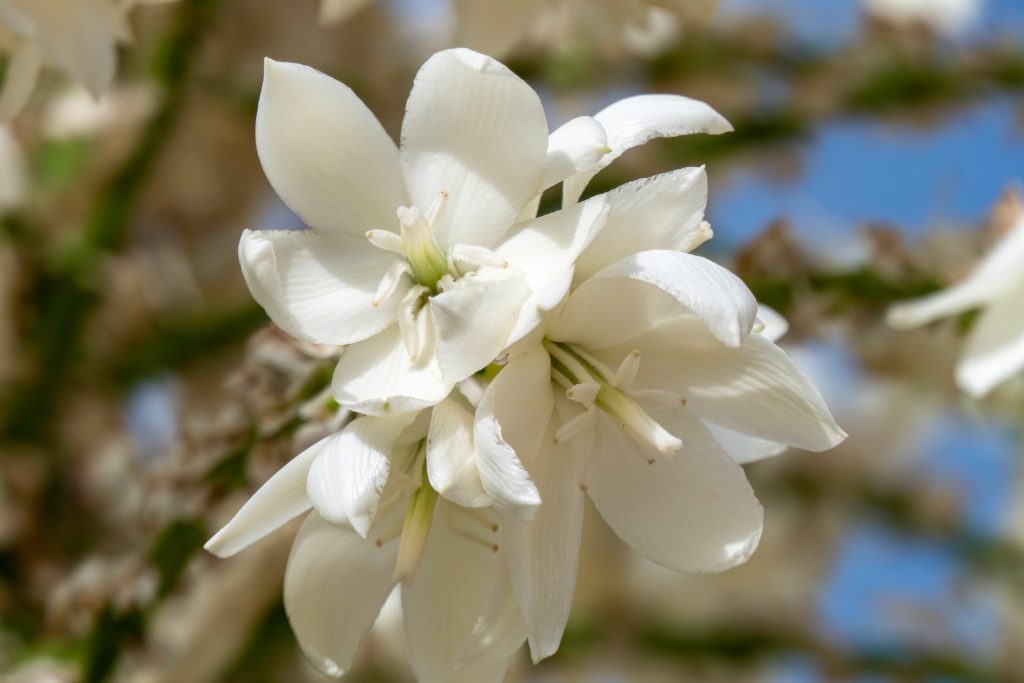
335, 11
377, 521
77, 38
995, 346
75, 112
944, 17
13, 172
631, 393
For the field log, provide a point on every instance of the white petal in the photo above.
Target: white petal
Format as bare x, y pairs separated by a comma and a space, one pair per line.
319, 289
696, 284
575, 146
79, 38
995, 347
451, 455
336, 11
346, 481
473, 319
693, 512
543, 553
663, 212
477, 131
443, 600
20, 79
635, 120
495, 26
544, 250
772, 325
744, 449
280, 499
997, 274
500, 629
325, 153
334, 587
376, 377
510, 423
756, 389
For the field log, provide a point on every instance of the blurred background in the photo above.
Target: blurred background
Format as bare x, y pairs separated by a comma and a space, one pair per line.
143, 397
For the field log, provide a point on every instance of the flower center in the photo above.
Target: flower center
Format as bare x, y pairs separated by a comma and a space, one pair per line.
587, 382
424, 259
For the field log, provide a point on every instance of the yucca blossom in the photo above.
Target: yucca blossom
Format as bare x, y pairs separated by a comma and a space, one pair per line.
394, 501
995, 346
942, 17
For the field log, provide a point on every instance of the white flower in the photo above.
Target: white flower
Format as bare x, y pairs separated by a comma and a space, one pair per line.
995, 347
945, 17
377, 521
335, 11
407, 259
78, 38
624, 394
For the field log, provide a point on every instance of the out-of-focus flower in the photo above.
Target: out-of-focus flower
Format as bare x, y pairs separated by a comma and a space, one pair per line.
78, 38
378, 519
995, 346
403, 261
78, 113
335, 11
644, 25
943, 17
600, 405
13, 172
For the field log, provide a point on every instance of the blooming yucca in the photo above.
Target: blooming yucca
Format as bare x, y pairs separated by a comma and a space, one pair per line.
995, 347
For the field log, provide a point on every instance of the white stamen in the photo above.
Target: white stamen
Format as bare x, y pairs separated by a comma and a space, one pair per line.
468, 258
436, 208
468, 535
701, 235
389, 283
415, 529
626, 372
408, 311
584, 392
635, 422
664, 398
386, 240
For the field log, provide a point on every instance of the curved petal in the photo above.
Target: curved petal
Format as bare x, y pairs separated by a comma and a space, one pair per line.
346, 480
770, 324
473, 319
443, 600
693, 512
325, 154
744, 449
543, 553
316, 288
511, 420
451, 455
499, 630
756, 389
376, 377
995, 347
476, 131
544, 250
662, 212
280, 499
20, 79
334, 586
698, 285
574, 146
996, 275
495, 26
635, 120
79, 38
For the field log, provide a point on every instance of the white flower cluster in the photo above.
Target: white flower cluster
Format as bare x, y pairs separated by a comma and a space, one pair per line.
78, 38
502, 366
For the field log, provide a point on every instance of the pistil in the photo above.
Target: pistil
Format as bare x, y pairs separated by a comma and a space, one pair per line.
429, 263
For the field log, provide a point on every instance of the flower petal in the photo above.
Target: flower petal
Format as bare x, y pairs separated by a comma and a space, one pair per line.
317, 288
744, 449
511, 419
443, 600
996, 275
376, 377
693, 512
334, 586
543, 553
79, 38
756, 389
451, 456
474, 130
662, 212
280, 499
995, 347
544, 250
698, 285
772, 325
20, 79
575, 146
495, 26
635, 120
473, 319
499, 630
347, 479
325, 153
